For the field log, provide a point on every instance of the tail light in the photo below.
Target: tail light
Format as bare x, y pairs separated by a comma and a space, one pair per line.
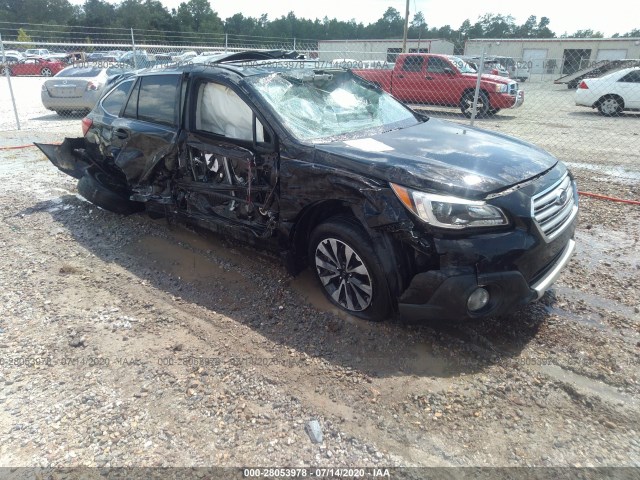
93, 86
583, 85
86, 125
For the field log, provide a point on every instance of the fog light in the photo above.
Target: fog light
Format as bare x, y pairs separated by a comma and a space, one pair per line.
478, 299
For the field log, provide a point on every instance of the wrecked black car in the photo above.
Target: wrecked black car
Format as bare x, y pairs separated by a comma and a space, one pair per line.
393, 211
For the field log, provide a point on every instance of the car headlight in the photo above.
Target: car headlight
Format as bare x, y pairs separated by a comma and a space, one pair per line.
450, 212
502, 88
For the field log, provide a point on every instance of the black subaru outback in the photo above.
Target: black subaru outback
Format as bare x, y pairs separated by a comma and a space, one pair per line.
393, 211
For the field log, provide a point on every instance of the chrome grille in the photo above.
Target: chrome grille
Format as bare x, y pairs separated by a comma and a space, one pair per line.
554, 208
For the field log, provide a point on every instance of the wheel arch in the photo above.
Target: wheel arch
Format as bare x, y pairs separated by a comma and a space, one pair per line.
472, 90
389, 250
309, 218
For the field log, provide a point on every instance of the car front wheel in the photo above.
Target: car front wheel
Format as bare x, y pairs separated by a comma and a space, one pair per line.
348, 269
45, 72
610, 106
482, 109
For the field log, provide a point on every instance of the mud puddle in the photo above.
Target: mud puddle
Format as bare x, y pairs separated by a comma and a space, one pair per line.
588, 386
629, 176
598, 303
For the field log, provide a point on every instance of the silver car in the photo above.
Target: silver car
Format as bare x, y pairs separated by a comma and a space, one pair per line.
78, 88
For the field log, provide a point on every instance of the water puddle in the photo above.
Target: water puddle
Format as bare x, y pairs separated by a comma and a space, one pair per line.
598, 302
589, 386
590, 319
611, 170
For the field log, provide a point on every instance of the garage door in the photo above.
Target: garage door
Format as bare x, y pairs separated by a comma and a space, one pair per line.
535, 58
606, 54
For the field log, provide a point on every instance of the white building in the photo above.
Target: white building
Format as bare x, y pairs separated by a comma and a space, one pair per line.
383, 50
558, 55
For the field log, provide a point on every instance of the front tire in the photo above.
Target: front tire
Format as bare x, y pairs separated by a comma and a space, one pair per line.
482, 109
45, 72
107, 192
610, 106
348, 269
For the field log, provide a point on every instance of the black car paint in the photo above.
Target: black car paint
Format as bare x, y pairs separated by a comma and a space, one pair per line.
435, 156
439, 155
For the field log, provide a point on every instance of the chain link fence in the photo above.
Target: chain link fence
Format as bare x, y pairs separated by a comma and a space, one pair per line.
579, 109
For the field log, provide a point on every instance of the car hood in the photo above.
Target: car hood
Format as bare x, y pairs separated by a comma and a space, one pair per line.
488, 77
439, 155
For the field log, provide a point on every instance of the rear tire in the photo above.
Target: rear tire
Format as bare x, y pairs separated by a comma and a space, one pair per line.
107, 192
348, 268
45, 72
610, 106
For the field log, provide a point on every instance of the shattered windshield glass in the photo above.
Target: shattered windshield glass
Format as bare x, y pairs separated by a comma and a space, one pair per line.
316, 106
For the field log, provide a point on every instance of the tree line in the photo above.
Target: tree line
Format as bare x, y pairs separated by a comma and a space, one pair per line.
196, 21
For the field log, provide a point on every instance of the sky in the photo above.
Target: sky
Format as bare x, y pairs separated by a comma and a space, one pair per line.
566, 17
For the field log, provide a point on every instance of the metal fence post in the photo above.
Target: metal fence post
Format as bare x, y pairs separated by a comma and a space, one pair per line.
226, 42
6, 72
133, 49
477, 91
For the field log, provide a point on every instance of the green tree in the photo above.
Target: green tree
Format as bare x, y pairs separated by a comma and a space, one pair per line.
97, 13
391, 25
543, 30
633, 33
197, 16
24, 37
587, 33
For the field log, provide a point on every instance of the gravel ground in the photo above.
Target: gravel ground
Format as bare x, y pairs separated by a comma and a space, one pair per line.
127, 341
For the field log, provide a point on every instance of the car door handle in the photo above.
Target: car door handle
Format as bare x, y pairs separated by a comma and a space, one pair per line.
121, 133
400, 76
428, 78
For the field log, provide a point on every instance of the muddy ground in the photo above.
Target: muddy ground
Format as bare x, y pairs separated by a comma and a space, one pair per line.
126, 341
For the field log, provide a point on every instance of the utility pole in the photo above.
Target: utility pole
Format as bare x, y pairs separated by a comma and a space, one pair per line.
406, 29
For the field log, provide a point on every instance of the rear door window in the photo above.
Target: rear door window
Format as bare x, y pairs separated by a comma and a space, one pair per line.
114, 101
154, 99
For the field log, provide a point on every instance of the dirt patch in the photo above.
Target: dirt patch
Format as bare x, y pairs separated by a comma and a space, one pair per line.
127, 341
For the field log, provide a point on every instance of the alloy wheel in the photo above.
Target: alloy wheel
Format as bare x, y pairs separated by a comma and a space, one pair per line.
343, 274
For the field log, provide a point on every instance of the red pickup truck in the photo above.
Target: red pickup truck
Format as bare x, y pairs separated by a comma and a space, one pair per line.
444, 80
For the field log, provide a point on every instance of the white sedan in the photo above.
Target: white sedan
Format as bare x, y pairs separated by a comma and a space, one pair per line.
612, 93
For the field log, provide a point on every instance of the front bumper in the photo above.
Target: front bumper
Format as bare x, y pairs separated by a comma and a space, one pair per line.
449, 299
504, 100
